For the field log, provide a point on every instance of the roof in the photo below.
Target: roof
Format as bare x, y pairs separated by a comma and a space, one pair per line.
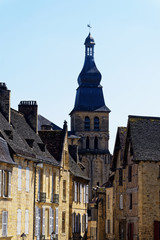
89, 40
76, 170
4, 152
144, 135
44, 121
119, 146
53, 141
31, 139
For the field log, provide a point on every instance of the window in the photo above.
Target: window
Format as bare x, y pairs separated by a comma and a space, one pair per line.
43, 221
19, 178
108, 226
130, 231
27, 179
51, 220
64, 190
37, 221
56, 230
130, 201
63, 222
40, 178
159, 171
75, 191
87, 142
96, 123
87, 124
86, 201
86, 222
5, 183
80, 197
53, 186
83, 223
18, 221
73, 224
120, 177
96, 143
4, 223
121, 201
108, 202
129, 173
26, 221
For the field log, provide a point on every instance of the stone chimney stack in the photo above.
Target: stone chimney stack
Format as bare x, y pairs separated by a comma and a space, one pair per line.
5, 101
30, 111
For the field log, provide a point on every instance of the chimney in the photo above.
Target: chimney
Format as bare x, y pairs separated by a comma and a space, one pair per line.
5, 101
30, 111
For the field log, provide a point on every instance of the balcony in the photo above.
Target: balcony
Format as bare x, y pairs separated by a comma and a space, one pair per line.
42, 197
56, 198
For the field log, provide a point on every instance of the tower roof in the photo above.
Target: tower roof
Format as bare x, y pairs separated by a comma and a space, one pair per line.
89, 95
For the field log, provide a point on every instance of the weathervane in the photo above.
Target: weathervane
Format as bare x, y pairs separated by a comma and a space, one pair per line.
89, 26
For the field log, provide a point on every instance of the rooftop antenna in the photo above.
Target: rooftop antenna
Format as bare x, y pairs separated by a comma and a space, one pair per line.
89, 26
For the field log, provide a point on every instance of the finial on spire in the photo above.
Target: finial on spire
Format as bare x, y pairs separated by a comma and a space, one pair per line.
89, 26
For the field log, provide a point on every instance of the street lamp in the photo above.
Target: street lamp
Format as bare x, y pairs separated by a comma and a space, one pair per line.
23, 236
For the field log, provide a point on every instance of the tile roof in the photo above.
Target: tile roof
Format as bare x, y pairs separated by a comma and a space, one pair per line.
4, 152
29, 137
119, 146
144, 134
44, 121
76, 170
53, 141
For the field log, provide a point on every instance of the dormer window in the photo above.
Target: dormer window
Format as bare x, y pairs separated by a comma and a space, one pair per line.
30, 142
96, 124
87, 124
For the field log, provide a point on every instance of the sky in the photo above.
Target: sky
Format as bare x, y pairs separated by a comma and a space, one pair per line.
42, 54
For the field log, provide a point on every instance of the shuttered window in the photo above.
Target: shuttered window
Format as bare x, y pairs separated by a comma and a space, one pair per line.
86, 222
43, 221
37, 221
75, 191
53, 186
121, 201
4, 223
64, 190
27, 179
9, 184
26, 221
19, 178
18, 221
72, 222
86, 193
63, 222
56, 230
51, 220
80, 199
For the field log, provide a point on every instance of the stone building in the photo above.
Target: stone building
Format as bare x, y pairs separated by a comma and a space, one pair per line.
22, 152
136, 165
90, 120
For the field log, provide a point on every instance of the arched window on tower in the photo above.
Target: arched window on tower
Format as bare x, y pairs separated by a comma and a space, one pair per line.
96, 143
96, 124
87, 142
87, 124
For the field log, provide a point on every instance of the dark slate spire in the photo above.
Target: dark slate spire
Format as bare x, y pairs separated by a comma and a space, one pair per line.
89, 95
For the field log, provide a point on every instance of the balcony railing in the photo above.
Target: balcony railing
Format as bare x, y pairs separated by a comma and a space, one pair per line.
42, 197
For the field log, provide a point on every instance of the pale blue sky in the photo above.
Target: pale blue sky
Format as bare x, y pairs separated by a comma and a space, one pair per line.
42, 54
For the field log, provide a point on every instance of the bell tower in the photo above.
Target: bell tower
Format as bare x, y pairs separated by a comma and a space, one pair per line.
90, 120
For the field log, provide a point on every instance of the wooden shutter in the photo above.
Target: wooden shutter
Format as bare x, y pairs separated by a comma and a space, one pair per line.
80, 223
80, 193
18, 221
56, 230
39, 222
4, 223
121, 201
39, 184
51, 220
36, 221
86, 222
75, 222
19, 178
9, 184
26, 221
52, 193
43, 221
75, 191
27, 179
72, 222
86, 193
0, 183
